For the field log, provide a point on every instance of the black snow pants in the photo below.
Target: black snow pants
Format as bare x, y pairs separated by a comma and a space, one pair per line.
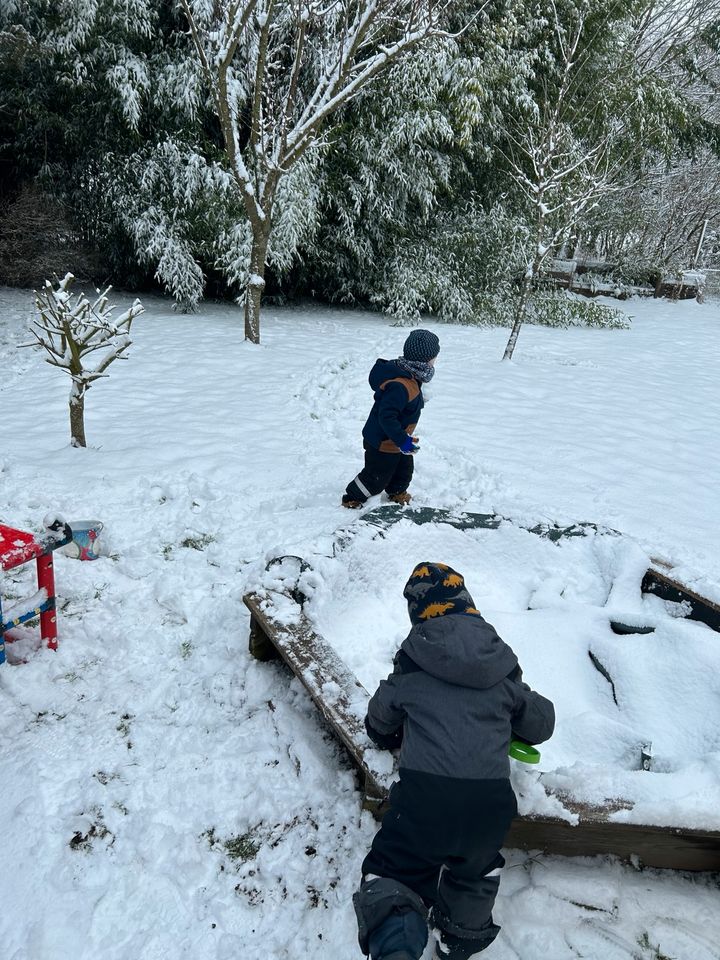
390, 472
441, 840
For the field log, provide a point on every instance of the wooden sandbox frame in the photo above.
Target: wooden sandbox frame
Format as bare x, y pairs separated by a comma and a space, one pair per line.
342, 702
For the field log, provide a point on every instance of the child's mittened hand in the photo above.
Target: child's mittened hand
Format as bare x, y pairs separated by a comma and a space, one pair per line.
410, 446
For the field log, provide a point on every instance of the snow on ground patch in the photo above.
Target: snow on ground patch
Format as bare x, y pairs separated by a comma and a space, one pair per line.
166, 797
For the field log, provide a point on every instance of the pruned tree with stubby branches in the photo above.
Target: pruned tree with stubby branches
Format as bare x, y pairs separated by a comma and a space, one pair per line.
278, 72
74, 330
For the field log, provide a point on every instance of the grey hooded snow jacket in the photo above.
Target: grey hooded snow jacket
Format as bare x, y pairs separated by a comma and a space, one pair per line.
456, 695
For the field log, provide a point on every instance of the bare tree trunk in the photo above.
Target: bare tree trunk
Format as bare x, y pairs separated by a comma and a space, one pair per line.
530, 275
519, 317
256, 285
77, 417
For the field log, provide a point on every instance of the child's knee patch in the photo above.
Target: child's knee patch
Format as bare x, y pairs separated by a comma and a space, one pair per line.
376, 900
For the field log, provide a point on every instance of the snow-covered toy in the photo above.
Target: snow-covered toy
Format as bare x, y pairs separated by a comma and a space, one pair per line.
18, 547
519, 750
84, 543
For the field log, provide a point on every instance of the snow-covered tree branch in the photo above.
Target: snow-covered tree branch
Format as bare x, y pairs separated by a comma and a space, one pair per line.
278, 71
72, 332
561, 174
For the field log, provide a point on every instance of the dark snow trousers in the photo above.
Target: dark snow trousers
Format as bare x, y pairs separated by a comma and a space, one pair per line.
391, 472
441, 840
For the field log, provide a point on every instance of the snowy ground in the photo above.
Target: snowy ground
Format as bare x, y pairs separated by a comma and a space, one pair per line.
167, 797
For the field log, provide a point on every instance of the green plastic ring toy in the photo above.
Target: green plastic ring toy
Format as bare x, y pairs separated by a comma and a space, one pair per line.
523, 751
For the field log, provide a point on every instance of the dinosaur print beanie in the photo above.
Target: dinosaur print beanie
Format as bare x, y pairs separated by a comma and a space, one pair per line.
433, 590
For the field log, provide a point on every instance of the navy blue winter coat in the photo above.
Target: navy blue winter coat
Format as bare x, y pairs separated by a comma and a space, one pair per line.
396, 411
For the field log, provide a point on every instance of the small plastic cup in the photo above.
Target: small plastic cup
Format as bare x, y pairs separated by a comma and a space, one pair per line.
523, 752
84, 545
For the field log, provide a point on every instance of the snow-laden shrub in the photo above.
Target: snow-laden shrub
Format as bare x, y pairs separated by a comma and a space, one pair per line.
82, 338
421, 279
558, 309
174, 205
496, 307
460, 269
551, 309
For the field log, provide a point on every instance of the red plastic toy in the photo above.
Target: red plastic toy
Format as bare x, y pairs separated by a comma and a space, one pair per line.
16, 548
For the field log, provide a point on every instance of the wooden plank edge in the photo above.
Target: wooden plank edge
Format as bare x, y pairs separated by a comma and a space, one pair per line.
375, 783
661, 585
670, 848
660, 847
664, 848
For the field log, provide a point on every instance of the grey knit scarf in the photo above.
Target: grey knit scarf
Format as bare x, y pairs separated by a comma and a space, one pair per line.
417, 369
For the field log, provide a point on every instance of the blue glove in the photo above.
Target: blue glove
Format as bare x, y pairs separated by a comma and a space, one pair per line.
410, 446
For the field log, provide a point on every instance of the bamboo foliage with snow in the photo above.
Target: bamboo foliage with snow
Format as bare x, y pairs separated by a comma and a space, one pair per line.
560, 176
563, 175
72, 332
278, 71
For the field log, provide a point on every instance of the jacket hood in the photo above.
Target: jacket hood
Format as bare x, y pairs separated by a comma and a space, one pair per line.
460, 648
385, 370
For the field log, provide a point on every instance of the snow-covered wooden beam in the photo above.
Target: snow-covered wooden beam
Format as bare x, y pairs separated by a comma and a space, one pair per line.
667, 848
336, 691
698, 607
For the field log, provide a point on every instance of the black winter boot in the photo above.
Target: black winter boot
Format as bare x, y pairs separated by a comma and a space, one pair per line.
452, 947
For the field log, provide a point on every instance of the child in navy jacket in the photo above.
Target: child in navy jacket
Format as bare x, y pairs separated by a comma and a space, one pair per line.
388, 433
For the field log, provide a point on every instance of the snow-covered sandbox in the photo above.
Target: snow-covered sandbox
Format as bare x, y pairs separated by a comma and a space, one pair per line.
554, 603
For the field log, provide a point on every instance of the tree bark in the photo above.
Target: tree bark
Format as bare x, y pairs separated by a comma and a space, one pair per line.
77, 417
530, 275
256, 284
519, 317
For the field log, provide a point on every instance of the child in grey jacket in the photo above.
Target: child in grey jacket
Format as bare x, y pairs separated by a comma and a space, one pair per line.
452, 703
